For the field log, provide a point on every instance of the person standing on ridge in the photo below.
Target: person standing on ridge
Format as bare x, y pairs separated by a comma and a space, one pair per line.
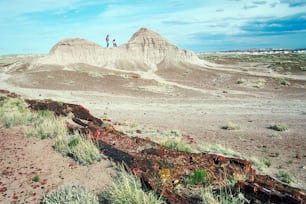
114, 43
107, 40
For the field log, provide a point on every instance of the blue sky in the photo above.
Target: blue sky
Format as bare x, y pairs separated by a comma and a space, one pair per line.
34, 26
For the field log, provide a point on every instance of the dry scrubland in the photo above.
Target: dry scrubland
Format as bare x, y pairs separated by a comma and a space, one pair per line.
246, 106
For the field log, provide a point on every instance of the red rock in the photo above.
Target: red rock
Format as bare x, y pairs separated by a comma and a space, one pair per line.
3, 189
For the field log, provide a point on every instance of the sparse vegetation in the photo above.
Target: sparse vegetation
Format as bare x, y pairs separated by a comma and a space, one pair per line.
267, 162
277, 62
36, 178
59, 104
127, 188
42, 124
222, 196
46, 127
284, 177
219, 149
70, 194
198, 177
231, 126
95, 74
274, 135
258, 83
177, 144
79, 148
279, 127
13, 112
285, 83
303, 68
171, 133
50, 77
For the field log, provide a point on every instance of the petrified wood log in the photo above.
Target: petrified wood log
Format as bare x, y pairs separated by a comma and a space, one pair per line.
164, 170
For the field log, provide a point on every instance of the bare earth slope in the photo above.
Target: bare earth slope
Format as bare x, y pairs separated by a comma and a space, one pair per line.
156, 84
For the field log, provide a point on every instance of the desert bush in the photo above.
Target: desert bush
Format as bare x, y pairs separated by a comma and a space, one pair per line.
279, 127
284, 177
198, 177
222, 196
241, 81
36, 178
46, 127
303, 68
258, 83
170, 133
231, 126
95, 74
285, 83
177, 144
274, 135
70, 195
50, 77
79, 148
42, 124
267, 162
13, 112
127, 188
219, 149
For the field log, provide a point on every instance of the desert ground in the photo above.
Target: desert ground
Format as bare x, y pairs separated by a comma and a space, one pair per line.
193, 100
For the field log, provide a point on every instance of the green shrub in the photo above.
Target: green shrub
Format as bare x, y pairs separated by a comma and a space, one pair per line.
36, 178
70, 195
284, 177
267, 162
303, 68
198, 177
231, 126
274, 135
59, 104
82, 150
127, 188
14, 113
285, 83
95, 74
46, 127
241, 81
177, 145
45, 113
258, 83
222, 196
170, 133
74, 142
279, 127
42, 124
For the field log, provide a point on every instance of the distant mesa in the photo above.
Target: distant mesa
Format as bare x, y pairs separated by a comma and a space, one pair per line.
146, 50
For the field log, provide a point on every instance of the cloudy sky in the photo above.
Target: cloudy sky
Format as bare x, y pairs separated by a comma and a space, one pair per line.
34, 26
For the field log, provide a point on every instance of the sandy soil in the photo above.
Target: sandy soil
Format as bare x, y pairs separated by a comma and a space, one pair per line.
196, 101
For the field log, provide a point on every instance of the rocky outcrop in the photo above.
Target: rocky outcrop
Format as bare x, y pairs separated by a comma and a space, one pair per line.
144, 51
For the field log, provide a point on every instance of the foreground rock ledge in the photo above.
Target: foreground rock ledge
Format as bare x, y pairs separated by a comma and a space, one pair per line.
163, 169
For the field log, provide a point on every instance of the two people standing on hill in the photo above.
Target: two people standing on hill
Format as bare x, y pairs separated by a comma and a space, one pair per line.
107, 41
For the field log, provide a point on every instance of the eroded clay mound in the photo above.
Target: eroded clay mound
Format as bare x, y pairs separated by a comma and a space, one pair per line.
144, 51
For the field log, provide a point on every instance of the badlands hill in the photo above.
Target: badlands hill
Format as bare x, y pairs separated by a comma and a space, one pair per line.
146, 50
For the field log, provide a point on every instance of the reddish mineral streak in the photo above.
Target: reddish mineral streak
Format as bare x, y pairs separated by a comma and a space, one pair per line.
147, 160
